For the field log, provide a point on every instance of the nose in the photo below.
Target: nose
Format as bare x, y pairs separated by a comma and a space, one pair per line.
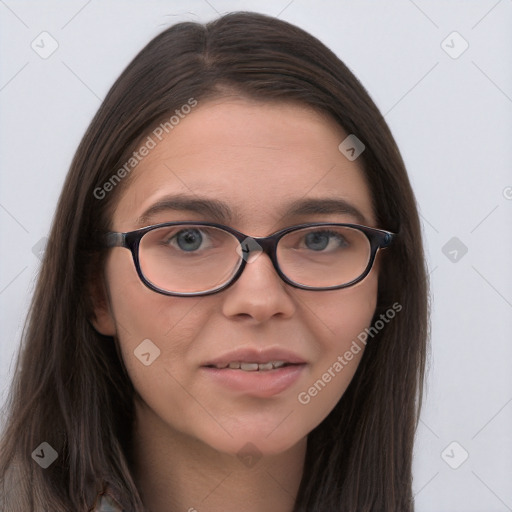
259, 293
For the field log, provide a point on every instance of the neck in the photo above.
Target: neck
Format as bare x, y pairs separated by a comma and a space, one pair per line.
177, 473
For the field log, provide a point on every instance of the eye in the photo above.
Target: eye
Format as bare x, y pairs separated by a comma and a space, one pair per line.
187, 239
320, 240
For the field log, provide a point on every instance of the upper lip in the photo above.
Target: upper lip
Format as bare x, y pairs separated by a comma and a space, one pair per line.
253, 355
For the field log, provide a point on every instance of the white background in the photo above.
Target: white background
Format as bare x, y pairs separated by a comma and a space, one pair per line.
450, 116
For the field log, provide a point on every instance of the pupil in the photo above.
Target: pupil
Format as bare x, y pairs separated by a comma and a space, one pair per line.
192, 237
317, 241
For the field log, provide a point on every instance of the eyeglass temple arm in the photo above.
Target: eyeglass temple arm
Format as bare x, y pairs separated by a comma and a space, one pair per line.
388, 238
115, 240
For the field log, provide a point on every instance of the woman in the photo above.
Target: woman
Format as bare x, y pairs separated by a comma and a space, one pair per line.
232, 310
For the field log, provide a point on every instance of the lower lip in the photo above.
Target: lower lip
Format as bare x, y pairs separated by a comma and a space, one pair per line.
262, 384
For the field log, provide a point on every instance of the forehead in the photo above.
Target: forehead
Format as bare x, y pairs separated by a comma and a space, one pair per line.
255, 157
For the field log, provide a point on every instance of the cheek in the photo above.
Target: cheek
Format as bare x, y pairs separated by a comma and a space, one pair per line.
151, 327
340, 315
339, 321
156, 335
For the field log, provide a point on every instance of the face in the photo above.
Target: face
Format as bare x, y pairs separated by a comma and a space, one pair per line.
257, 158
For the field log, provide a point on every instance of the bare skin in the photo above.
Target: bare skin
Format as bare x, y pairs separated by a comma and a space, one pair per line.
257, 158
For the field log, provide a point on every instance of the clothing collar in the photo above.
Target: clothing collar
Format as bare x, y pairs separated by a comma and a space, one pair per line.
108, 500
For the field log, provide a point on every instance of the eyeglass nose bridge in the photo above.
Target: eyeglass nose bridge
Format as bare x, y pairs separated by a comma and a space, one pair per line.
253, 245
264, 244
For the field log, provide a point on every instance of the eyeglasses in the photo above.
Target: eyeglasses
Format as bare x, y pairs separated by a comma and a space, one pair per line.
202, 258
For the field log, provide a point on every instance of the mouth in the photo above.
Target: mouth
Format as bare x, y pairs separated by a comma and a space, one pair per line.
254, 371
252, 367
260, 380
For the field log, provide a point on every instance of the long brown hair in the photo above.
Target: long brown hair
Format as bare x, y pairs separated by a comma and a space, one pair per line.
71, 389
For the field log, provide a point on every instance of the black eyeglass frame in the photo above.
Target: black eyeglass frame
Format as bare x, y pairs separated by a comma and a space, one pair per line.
378, 238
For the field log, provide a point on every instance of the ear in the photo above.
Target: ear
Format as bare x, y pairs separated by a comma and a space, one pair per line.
101, 318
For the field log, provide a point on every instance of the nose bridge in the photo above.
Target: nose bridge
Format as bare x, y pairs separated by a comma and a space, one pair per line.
267, 245
261, 295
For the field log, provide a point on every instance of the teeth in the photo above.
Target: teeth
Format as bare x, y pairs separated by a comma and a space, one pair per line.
249, 367
252, 367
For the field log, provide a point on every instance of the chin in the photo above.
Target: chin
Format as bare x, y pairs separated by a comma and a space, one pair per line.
256, 442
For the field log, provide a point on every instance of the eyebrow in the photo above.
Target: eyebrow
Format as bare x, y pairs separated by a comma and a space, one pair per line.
220, 212
325, 206
212, 208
